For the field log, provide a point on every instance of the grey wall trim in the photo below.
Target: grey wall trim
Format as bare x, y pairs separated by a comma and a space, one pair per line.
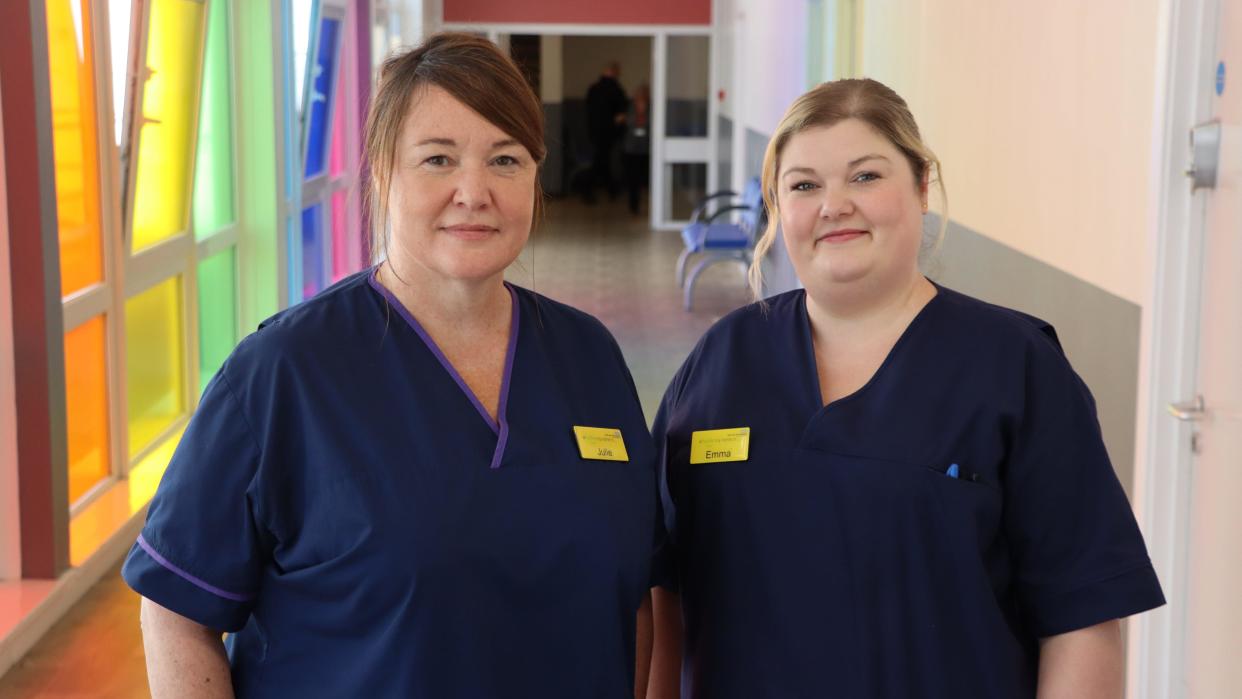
1099, 330
756, 144
724, 152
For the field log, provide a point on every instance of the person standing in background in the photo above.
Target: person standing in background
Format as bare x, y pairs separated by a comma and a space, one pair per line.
605, 105
636, 146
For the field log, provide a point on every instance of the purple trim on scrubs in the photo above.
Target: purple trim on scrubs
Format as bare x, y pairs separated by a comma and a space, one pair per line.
500, 426
190, 578
514, 325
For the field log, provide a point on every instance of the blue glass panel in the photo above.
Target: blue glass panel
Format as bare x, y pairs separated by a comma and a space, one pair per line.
312, 251
320, 102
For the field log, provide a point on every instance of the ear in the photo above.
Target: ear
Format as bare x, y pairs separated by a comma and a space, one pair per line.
925, 184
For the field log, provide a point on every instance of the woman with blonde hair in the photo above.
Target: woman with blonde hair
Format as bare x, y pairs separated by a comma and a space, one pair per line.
423, 482
876, 486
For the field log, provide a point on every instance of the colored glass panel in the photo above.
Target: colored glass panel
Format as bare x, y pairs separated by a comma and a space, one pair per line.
342, 264
320, 102
169, 103
86, 406
74, 143
336, 151
312, 250
213, 168
217, 312
154, 364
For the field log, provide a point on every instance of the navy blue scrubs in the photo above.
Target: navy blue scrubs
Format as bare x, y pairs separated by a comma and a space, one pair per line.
913, 539
345, 507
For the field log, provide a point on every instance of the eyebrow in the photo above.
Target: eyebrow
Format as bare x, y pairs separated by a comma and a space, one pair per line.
450, 142
850, 165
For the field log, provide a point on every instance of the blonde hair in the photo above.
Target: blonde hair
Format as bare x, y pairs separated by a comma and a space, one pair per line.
869, 101
475, 72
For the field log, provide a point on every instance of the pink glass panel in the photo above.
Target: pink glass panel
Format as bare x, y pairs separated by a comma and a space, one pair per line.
342, 261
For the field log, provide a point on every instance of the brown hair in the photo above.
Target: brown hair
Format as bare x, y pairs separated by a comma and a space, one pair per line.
475, 72
869, 101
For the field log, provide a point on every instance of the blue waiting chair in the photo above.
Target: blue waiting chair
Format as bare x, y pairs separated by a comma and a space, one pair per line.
720, 240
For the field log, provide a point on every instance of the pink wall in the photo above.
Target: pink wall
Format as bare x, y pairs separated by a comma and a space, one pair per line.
579, 11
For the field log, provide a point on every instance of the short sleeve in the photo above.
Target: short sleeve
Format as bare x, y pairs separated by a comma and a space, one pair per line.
1078, 556
199, 553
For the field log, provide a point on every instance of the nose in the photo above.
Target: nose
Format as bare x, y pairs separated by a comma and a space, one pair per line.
835, 204
473, 189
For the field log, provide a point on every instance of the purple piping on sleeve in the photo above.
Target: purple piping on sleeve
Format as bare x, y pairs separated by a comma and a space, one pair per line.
190, 578
514, 325
435, 350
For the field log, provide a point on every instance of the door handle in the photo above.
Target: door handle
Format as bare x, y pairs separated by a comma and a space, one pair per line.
1188, 411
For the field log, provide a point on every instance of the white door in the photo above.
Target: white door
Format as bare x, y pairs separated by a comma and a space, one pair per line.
684, 119
1212, 603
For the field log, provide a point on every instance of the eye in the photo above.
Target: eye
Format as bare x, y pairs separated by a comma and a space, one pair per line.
437, 161
804, 186
866, 177
506, 161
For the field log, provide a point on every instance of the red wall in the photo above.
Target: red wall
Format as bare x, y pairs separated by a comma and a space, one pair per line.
579, 11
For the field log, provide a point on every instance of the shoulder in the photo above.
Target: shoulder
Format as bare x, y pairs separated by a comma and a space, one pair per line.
335, 319
745, 337
752, 323
1006, 327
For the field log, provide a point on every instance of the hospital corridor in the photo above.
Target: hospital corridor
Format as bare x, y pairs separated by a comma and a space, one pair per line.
657, 349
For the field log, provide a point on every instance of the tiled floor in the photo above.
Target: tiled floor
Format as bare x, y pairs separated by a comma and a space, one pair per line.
599, 259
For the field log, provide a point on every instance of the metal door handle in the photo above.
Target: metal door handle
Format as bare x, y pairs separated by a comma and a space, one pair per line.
1188, 411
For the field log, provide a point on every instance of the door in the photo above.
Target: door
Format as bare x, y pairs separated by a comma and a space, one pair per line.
1212, 605
684, 122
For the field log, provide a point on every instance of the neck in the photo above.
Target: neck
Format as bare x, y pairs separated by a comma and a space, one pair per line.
865, 310
436, 301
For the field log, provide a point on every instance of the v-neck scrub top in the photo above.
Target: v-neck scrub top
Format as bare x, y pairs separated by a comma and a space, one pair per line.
345, 507
913, 539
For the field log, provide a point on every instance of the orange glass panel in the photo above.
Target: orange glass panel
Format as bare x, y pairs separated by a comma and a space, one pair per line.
169, 111
86, 402
74, 143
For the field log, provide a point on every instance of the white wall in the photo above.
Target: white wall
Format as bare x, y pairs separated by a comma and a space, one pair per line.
1042, 115
771, 36
10, 544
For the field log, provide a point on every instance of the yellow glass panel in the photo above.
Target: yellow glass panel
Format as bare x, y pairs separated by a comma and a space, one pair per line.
74, 143
86, 403
169, 108
145, 476
155, 367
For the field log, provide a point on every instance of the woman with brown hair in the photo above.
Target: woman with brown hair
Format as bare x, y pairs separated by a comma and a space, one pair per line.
876, 486
423, 481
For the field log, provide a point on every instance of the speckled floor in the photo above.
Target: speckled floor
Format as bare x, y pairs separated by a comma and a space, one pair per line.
599, 259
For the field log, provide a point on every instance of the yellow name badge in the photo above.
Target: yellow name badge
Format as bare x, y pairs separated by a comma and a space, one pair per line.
600, 444
718, 446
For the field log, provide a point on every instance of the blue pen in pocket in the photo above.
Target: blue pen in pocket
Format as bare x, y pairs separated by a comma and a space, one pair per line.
953, 471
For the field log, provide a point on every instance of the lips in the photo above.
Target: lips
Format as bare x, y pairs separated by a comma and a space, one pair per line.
469, 231
841, 235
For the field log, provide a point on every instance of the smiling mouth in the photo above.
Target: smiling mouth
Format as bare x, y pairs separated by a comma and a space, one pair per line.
841, 236
470, 231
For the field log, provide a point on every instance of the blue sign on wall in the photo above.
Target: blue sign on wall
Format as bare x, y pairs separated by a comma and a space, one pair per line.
1220, 78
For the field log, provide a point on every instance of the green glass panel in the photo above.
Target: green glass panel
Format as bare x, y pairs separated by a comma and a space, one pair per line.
217, 313
213, 168
154, 362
